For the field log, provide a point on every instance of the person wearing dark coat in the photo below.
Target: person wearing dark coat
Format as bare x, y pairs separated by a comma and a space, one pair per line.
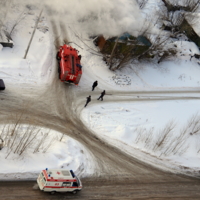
88, 100
94, 85
102, 95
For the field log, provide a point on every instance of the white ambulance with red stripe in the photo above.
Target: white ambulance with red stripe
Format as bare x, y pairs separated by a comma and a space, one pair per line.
59, 180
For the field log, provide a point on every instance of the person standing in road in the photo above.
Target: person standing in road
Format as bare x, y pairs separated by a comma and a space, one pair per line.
88, 100
94, 85
102, 95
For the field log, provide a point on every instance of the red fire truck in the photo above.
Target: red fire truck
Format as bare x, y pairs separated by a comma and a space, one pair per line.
70, 69
58, 180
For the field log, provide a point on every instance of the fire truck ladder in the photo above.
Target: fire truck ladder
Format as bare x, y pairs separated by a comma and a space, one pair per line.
73, 67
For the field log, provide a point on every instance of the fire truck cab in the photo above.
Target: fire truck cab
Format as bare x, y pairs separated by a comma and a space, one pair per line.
58, 180
70, 69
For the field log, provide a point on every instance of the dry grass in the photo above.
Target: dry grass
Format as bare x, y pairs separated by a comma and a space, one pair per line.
19, 138
168, 142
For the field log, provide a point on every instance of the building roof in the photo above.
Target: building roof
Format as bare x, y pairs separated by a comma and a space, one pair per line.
5, 39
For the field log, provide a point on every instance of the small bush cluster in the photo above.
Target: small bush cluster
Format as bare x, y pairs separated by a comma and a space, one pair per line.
18, 138
166, 142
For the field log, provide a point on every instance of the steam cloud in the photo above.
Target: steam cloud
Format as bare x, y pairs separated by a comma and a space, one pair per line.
107, 17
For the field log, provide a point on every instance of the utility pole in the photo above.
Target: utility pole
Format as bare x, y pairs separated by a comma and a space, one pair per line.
29, 44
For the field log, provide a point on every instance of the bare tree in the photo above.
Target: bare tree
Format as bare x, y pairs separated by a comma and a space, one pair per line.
175, 17
18, 20
142, 3
184, 5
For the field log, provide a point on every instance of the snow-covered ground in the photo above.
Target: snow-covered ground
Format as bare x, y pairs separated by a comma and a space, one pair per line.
136, 127
48, 149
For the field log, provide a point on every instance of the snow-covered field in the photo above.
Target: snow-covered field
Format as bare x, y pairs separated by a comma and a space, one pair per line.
49, 148
134, 126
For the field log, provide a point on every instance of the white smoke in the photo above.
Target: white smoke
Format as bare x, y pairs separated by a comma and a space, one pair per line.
107, 17
93, 17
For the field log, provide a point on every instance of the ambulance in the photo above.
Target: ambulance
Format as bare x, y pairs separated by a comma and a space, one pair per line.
58, 180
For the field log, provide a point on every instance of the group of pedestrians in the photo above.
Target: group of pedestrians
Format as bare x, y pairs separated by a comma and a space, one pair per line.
100, 97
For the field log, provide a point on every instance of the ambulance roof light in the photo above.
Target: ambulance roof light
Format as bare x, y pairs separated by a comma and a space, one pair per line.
46, 169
